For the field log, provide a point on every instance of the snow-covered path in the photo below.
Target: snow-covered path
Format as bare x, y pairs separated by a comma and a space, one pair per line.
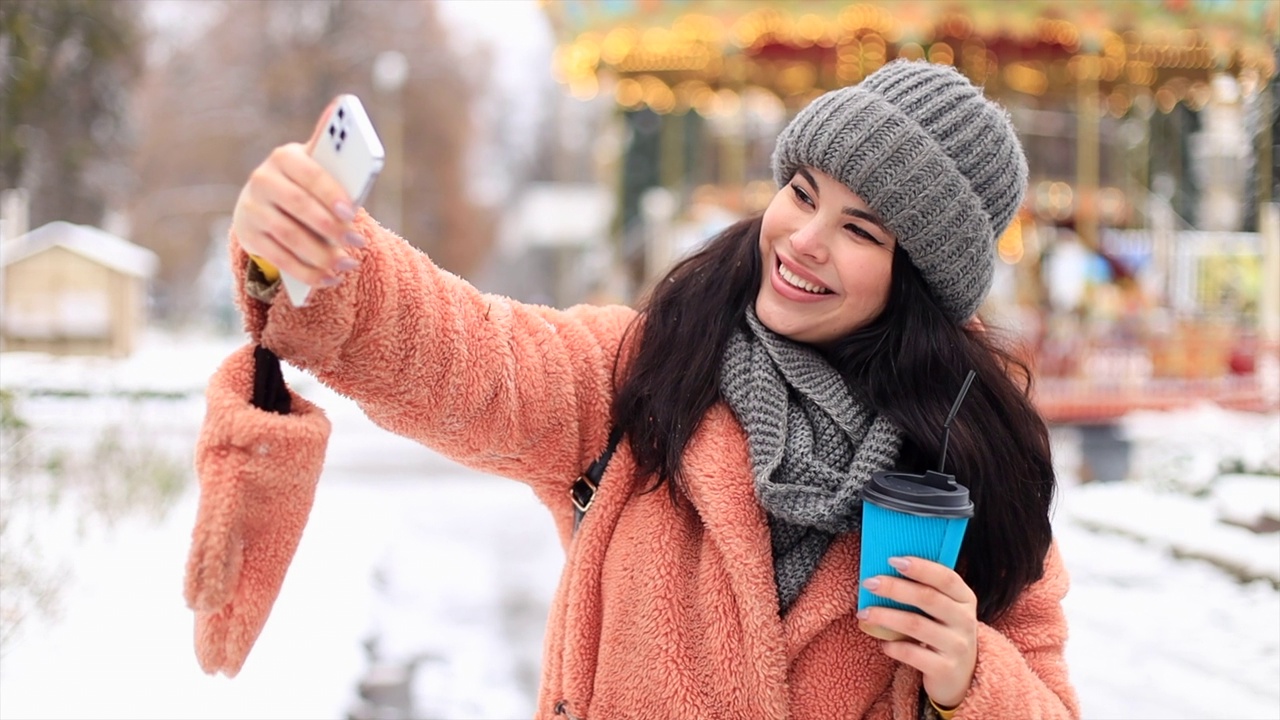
435, 559
1154, 637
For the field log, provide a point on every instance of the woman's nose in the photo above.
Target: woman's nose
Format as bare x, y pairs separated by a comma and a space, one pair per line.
808, 240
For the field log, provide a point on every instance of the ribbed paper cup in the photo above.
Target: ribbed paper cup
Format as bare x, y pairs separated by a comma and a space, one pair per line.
903, 514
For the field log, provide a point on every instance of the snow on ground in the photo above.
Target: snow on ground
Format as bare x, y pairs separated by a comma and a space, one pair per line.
457, 568
1153, 635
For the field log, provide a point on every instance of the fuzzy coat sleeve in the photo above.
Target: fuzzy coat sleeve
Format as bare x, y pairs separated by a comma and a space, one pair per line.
513, 389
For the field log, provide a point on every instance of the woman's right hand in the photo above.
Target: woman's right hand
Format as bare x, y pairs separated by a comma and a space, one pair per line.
294, 215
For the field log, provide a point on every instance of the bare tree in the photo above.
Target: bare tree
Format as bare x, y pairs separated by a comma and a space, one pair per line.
259, 77
66, 67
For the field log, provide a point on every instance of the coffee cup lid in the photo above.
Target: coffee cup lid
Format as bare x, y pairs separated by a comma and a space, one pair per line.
932, 494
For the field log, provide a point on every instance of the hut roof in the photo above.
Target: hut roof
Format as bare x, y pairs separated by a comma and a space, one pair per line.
93, 243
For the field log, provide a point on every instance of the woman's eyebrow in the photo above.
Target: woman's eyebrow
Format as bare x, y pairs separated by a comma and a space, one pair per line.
864, 215
809, 176
854, 212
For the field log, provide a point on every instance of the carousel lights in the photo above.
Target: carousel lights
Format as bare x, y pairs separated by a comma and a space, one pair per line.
1054, 199
629, 94
699, 28
956, 26
660, 99
617, 44
759, 26
973, 59
911, 51
656, 40
573, 62
1027, 77
1057, 32
657, 95
1109, 68
687, 93
705, 102
796, 78
1119, 102
728, 101
1009, 247
1113, 46
849, 62
1140, 72
585, 87
693, 58
856, 18
940, 53
1112, 205
861, 34
1198, 96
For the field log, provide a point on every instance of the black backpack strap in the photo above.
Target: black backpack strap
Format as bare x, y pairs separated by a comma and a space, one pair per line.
583, 490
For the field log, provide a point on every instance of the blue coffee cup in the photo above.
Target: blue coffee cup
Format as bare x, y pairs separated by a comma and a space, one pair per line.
905, 514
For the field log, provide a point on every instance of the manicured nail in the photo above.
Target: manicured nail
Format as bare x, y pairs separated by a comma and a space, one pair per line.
346, 264
344, 211
899, 563
353, 239
871, 583
329, 281
864, 614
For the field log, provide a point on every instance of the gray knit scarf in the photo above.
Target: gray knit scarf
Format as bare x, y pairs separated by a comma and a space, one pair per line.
812, 446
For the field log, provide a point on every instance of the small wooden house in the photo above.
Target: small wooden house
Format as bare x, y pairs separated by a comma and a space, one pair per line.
73, 289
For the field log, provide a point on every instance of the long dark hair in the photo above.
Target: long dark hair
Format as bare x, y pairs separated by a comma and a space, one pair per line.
907, 364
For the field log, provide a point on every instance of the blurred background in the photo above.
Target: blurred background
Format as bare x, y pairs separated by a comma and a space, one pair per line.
569, 151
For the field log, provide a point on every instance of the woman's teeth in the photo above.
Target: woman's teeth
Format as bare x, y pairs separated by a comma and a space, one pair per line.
797, 282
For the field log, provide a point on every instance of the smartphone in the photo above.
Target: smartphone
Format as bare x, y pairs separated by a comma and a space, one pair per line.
350, 151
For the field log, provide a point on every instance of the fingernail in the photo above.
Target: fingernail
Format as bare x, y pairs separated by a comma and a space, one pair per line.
864, 614
344, 211
900, 563
329, 281
353, 239
346, 264
871, 583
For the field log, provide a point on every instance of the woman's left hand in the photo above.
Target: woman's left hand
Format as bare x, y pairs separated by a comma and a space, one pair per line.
943, 645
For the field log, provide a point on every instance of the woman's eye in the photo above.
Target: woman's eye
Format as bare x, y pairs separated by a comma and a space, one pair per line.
801, 195
862, 233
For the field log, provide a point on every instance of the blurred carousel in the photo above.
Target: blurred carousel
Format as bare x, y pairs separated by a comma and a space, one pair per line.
1144, 268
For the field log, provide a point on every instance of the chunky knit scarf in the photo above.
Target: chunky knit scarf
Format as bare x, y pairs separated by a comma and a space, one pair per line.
812, 446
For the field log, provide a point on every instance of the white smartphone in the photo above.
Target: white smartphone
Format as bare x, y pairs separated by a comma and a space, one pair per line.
349, 149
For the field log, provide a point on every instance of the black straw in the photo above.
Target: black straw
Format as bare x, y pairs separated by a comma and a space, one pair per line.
955, 408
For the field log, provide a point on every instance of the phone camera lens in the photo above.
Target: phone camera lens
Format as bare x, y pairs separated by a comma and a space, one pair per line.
332, 130
342, 135
341, 113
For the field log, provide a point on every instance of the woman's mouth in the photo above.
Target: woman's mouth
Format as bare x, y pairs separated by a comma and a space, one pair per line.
798, 282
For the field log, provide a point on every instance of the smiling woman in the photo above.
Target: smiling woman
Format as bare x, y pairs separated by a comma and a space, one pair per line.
763, 382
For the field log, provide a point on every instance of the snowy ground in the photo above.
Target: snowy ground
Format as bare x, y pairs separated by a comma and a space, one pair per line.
456, 567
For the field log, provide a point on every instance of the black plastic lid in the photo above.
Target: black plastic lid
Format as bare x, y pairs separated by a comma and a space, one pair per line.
933, 494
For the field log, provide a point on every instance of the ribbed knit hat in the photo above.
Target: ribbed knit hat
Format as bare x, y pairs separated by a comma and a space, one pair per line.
937, 161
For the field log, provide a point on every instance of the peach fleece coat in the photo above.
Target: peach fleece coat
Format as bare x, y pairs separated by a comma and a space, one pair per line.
663, 610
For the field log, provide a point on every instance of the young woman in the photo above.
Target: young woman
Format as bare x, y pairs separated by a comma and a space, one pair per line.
764, 380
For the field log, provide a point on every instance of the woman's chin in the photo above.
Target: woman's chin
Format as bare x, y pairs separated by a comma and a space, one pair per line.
778, 321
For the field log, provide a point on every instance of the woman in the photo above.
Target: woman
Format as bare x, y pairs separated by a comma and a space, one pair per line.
765, 379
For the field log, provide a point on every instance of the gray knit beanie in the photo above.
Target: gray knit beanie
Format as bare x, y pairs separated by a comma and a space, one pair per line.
938, 162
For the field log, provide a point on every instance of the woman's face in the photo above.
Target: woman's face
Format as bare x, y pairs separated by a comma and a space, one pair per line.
826, 261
